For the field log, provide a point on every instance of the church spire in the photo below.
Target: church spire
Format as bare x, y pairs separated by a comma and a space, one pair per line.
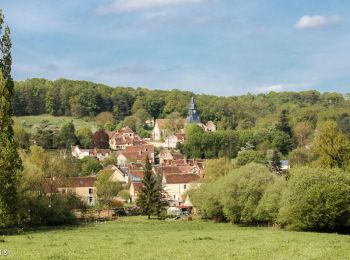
193, 116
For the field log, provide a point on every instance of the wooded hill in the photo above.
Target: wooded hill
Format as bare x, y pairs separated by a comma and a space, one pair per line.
83, 98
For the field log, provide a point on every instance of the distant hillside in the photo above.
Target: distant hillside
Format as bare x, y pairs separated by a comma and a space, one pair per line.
33, 123
81, 98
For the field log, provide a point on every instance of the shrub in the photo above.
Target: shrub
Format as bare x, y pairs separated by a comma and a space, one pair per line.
242, 191
316, 199
247, 156
242, 196
268, 208
207, 199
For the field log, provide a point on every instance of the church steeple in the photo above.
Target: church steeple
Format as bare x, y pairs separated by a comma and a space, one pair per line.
193, 116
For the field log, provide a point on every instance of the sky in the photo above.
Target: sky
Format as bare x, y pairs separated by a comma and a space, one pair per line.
221, 47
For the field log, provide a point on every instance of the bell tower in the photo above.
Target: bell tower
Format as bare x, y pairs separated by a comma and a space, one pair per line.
193, 116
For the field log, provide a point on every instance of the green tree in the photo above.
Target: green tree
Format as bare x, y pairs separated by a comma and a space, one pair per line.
316, 199
283, 124
343, 123
248, 156
104, 117
242, 190
90, 166
10, 163
21, 137
67, 135
133, 122
281, 141
300, 157
161, 201
85, 137
275, 164
44, 138
332, 146
216, 168
148, 198
125, 195
106, 188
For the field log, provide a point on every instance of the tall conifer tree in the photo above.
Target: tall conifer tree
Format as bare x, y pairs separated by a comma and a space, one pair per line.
10, 163
148, 197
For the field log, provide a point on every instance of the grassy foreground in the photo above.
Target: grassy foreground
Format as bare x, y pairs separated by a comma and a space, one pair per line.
137, 238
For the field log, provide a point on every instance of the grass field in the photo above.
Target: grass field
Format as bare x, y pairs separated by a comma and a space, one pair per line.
53, 121
137, 238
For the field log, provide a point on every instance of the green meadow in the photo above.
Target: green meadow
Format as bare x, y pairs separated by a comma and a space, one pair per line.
31, 122
138, 238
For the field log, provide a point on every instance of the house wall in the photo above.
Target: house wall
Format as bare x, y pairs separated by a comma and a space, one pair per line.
175, 191
77, 153
118, 176
83, 193
157, 133
121, 160
133, 193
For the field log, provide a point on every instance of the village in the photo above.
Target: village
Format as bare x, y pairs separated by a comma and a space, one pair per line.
179, 174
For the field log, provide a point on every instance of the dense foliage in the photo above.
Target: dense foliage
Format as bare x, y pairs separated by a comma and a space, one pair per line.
317, 199
10, 163
312, 199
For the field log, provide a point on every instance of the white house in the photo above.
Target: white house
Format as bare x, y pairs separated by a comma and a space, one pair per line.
118, 175
175, 185
80, 153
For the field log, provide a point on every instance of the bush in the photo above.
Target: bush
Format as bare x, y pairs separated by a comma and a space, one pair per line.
248, 156
268, 208
207, 199
55, 210
242, 196
242, 191
316, 199
300, 157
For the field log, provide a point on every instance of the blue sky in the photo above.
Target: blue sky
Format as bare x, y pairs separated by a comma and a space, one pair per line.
222, 47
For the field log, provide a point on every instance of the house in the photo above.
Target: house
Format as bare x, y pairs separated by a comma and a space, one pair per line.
161, 128
79, 153
118, 175
285, 165
167, 157
119, 140
84, 187
136, 175
136, 154
173, 140
134, 190
211, 127
176, 185
99, 154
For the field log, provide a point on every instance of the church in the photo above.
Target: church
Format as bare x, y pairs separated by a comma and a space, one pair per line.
159, 132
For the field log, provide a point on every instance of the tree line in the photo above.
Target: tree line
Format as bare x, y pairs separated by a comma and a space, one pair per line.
83, 98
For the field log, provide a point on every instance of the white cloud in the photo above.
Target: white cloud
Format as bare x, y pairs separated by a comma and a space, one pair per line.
282, 87
313, 21
129, 5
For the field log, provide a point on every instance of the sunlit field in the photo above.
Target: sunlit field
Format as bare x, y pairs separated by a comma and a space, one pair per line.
137, 238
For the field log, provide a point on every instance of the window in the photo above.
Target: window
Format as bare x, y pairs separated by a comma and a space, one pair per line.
90, 200
174, 197
91, 191
185, 187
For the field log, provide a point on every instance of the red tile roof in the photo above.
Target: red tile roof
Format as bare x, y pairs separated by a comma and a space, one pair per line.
111, 134
51, 186
126, 130
181, 178
137, 173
